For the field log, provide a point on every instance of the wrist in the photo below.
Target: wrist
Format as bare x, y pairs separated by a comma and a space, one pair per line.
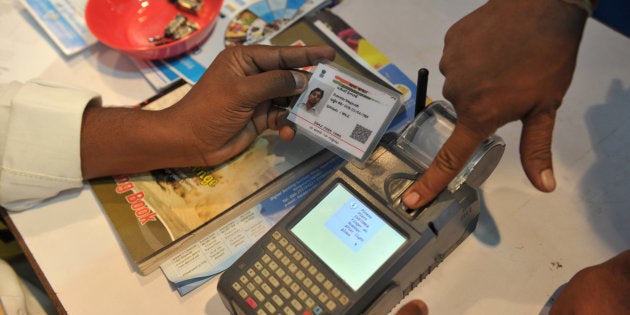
124, 140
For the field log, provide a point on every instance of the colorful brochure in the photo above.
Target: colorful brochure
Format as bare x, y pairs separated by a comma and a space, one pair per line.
63, 21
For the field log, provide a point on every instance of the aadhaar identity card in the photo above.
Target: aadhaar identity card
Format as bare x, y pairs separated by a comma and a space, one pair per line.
344, 112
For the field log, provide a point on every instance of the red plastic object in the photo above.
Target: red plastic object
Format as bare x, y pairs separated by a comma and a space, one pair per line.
127, 25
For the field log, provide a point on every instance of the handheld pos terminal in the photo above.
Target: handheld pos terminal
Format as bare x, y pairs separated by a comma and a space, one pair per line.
351, 247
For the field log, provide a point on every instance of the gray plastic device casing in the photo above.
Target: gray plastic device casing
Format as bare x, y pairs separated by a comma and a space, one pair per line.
432, 232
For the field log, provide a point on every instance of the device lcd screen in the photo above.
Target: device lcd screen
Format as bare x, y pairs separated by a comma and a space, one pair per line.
348, 236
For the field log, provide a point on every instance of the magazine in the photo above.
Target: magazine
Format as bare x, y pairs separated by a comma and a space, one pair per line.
153, 210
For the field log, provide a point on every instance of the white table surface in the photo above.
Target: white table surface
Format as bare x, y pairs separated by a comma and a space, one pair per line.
526, 245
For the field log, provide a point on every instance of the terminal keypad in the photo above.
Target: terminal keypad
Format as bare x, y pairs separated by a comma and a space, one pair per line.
283, 281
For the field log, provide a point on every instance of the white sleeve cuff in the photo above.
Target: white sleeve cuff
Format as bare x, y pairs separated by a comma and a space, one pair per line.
42, 154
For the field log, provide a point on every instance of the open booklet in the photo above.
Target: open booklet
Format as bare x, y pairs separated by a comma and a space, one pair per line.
194, 222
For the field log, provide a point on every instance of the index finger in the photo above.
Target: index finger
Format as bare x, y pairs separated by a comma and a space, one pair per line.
448, 162
265, 58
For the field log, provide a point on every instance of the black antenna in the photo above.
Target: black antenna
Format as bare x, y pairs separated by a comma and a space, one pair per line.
421, 90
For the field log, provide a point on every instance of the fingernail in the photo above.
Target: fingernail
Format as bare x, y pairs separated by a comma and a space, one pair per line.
415, 307
548, 181
411, 198
300, 80
419, 306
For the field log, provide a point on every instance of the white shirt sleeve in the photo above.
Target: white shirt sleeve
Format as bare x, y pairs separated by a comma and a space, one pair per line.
18, 296
40, 134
